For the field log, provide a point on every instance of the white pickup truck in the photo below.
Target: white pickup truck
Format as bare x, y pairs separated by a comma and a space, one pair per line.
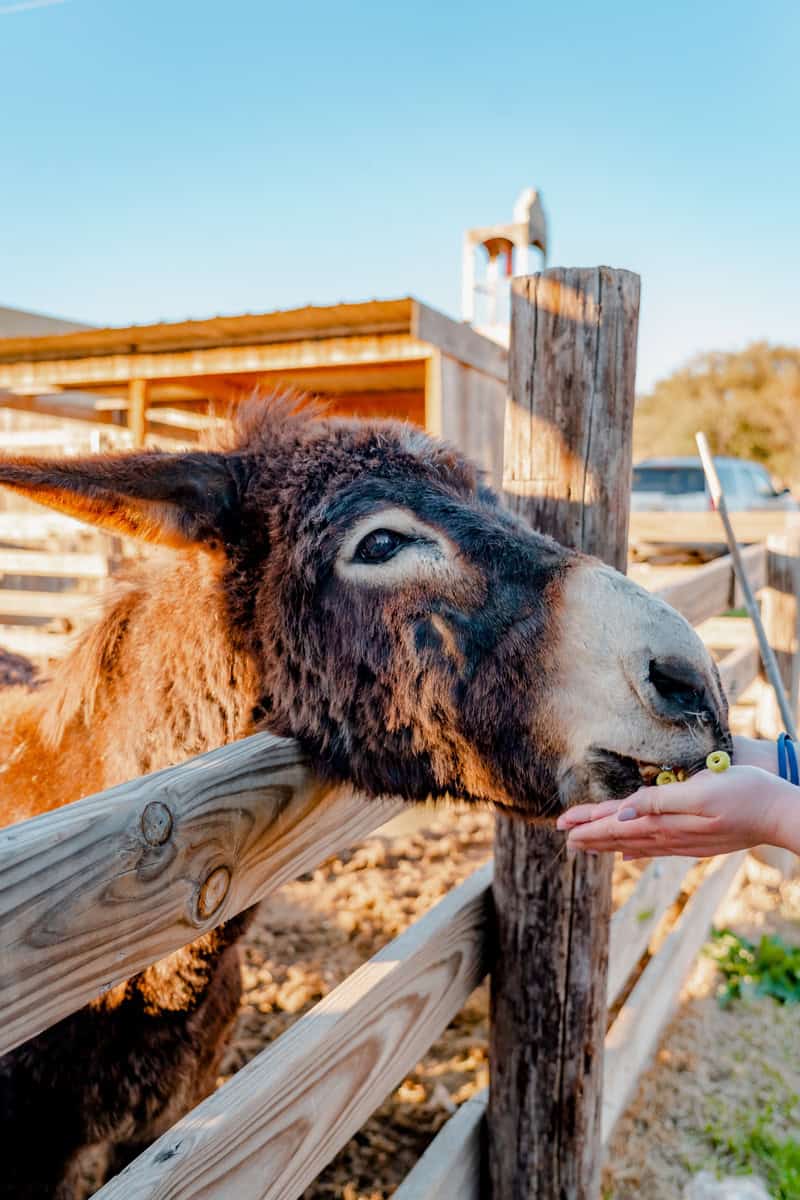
678, 485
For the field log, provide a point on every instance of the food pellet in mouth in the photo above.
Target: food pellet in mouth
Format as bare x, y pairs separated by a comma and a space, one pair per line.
717, 760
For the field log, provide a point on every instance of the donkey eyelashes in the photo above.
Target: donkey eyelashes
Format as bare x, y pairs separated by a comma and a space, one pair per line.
381, 545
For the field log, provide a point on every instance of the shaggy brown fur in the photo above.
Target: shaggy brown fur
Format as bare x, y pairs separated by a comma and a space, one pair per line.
422, 658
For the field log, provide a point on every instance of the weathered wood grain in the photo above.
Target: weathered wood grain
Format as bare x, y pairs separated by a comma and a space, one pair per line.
457, 1148
280, 357
635, 922
471, 412
710, 589
634, 1036
781, 614
567, 470
459, 340
267, 1133
738, 670
452, 1167
97, 890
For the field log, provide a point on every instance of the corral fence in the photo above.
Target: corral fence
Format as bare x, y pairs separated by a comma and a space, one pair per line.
100, 889
55, 572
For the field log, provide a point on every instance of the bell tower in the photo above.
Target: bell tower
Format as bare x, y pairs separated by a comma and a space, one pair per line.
491, 256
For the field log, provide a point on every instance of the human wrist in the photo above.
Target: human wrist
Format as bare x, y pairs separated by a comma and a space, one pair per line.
782, 815
756, 752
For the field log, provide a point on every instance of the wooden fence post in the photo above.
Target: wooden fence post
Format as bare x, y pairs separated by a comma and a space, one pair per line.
781, 615
569, 419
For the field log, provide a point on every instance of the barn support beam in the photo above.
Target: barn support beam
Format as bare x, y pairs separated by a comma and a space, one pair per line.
137, 410
567, 470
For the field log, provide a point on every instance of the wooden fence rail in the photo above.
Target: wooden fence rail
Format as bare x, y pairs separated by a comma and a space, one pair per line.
97, 890
274, 1126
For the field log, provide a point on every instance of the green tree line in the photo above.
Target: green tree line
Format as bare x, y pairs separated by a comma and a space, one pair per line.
748, 403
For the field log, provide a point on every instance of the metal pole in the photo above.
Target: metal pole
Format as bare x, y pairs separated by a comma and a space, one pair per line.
767, 654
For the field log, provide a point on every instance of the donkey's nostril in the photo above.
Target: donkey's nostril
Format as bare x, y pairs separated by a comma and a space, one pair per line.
677, 682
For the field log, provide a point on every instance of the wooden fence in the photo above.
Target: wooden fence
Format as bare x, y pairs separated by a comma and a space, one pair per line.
54, 571
95, 891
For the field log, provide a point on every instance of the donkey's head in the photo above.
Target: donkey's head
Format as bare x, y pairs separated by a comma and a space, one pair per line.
416, 637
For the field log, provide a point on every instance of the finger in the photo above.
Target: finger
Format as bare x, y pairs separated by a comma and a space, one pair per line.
582, 813
678, 798
648, 834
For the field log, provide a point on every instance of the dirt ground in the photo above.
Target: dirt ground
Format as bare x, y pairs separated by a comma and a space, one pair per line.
718, 1068
313, 933
714, 1066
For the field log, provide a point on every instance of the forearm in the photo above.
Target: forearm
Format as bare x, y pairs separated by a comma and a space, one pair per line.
779, 801
785, 823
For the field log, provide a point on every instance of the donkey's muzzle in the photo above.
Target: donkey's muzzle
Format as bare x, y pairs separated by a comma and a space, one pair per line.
680, 690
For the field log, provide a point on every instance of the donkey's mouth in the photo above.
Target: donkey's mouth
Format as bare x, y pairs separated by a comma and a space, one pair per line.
621, 775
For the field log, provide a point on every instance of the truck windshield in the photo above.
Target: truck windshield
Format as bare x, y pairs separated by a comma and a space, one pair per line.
673, 481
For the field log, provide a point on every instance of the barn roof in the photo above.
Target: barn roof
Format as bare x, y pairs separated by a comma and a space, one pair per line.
22, 323
405, 316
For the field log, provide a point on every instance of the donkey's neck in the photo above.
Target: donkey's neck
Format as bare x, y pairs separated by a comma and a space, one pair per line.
160, 678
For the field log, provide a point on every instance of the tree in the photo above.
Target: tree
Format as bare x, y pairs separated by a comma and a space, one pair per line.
748, 403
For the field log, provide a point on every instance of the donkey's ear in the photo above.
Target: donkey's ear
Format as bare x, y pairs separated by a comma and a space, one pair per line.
173, 499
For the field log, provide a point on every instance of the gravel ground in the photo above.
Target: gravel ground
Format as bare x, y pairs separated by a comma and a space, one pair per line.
716, 1067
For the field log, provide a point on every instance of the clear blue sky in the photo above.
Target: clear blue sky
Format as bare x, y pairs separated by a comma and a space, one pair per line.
167, 158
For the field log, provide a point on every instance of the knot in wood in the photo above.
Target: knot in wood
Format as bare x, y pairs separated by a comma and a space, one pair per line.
156, 823
213, 892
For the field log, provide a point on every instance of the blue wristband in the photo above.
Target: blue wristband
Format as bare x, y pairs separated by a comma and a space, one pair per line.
787, 760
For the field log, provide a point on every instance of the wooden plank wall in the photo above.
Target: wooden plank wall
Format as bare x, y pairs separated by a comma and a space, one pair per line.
466, 406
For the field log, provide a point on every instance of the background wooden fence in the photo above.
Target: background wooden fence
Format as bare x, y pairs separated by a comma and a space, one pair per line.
55, 572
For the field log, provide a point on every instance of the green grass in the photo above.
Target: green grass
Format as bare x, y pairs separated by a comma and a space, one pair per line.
769, 967
755, 1139
756, 1150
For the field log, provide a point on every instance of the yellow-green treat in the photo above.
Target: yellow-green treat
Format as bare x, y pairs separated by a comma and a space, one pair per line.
718, 760
666, 777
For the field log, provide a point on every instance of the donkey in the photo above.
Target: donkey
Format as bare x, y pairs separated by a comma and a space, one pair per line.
353, 585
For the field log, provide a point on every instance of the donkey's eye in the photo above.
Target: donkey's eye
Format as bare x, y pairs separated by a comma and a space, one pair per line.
379, 546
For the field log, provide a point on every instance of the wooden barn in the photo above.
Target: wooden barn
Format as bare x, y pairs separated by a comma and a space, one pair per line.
383, 357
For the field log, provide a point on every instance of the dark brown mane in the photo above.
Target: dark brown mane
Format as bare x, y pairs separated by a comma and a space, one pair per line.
255, 424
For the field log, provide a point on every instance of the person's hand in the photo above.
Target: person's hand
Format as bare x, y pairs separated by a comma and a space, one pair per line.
711, 813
